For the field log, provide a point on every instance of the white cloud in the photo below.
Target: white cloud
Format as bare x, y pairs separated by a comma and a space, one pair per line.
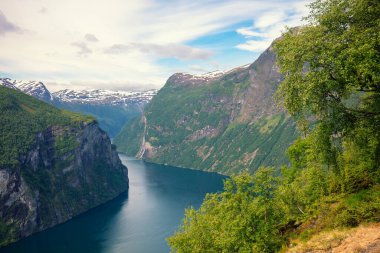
43, 10
133, 36
198, 68
90, 37
270, 25
178, 51
6, 26
248, 32
254, 45
83, 48
117, 49
270, 18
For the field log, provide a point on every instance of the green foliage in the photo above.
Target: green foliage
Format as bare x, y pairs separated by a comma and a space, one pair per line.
111, 118
332, 69
178, 112
332, 78
130, 137
241, 145
64, 178
64, 144
22, 117
332, 89
8, 233
243, 218
334, 57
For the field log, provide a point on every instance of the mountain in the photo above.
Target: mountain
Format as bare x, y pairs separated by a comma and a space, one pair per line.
105, 97
54, 165
221, 121
112, 109
33, 88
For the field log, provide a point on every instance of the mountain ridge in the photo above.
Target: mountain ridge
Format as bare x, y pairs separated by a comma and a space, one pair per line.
111, 108
224, 122
54, 165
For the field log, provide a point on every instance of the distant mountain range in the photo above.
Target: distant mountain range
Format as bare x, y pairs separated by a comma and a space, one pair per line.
33, 88
96, 97
111, 108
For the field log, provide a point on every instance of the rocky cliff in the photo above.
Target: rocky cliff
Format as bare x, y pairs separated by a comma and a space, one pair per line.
53, 165
220, 121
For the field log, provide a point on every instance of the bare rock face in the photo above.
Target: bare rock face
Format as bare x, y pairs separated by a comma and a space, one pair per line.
66, 171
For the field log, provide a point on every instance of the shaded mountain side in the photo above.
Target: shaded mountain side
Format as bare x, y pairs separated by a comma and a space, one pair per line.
54, 165
223, 122
111, 118
112, 109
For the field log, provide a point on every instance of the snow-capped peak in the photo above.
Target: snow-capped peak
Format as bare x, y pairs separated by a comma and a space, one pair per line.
34, 88
95, 97
99, 96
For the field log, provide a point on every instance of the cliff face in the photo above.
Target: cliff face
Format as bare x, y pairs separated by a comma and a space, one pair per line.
62, 170
224, 122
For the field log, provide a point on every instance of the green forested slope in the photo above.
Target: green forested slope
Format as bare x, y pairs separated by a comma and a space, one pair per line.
333, 180
111, 118
222, 123
22, 116
54, 164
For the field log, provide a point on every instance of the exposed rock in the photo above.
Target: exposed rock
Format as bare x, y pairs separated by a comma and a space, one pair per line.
233, 113
65, 172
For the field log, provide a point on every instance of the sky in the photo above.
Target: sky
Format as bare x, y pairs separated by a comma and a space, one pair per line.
135, 44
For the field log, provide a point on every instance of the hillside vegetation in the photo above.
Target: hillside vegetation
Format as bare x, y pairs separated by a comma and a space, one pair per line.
332, 89
54, 165
219, 123
22, 116
111, 118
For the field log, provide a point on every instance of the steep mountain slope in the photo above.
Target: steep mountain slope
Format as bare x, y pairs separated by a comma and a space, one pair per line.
54, 165
223, 122
112, 109
33, 88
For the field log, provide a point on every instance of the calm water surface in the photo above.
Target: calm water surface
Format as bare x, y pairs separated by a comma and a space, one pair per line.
137, 221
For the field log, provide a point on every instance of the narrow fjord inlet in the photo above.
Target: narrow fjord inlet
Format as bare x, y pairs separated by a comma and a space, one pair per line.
137, 221
205, 126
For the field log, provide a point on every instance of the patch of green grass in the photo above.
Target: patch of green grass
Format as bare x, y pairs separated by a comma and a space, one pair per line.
22, 117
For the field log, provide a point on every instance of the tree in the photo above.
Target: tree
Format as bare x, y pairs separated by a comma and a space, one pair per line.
332, 88
332, 82
332, 65
245, 217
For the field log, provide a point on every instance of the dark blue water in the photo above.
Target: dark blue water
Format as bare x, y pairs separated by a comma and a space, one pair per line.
137, 221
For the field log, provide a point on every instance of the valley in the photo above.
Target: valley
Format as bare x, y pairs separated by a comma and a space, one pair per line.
223, 122
54, 165
190, 127
112, 109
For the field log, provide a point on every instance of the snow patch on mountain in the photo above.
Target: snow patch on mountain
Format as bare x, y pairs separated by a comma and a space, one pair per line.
34, 88
106, 97
91, 97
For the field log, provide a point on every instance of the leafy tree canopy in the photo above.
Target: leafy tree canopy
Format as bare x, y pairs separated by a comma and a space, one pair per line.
332, 65
332, 88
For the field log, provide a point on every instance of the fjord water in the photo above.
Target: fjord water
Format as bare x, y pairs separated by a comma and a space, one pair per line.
137, 221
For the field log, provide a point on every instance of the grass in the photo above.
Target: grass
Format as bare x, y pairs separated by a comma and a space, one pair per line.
178, 111
331, 219
22, 117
